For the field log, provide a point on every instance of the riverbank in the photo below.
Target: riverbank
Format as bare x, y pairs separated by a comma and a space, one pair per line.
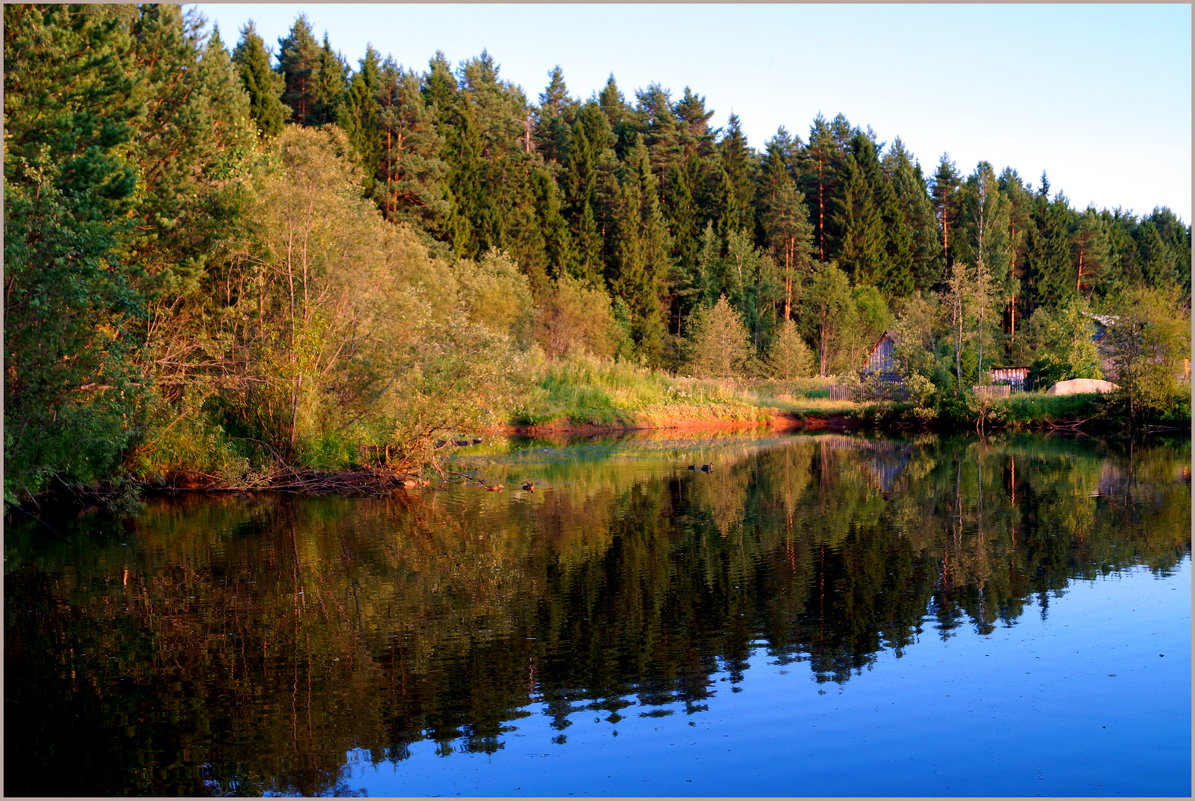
591, 400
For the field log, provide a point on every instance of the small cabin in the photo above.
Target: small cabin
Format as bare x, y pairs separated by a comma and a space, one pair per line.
1015, 377
880, 361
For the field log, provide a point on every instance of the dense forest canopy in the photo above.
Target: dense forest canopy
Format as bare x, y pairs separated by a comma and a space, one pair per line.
218, 254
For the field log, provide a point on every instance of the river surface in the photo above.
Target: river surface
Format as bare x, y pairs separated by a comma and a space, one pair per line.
815, 616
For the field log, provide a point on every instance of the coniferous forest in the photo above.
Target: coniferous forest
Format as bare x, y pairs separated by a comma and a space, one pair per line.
226, 255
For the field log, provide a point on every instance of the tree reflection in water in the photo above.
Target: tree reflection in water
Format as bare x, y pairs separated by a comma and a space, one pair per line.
238, 645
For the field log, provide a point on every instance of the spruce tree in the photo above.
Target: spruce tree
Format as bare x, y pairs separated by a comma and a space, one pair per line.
330, 84
589, 137
439, 87
558, 245
262, 84
616, 111
681, 215
718, 345
298, 62
1165, 250
789, 357
473, 225
857, 215
640, 251
738, 162
1050, 280
552, 118
360, 116
917, 213
700, 161
191, 140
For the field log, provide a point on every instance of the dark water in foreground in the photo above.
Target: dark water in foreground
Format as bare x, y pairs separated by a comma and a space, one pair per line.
823, 616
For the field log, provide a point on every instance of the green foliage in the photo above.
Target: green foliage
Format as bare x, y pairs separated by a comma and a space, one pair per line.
1149, 341
831, 314
572, 317
496, 295
1060, 344
72, 106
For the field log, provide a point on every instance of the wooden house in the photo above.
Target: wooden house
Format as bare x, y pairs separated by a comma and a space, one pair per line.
1015, 377
880, 361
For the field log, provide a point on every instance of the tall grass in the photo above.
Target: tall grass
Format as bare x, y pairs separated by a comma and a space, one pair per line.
1037, 407
585, 390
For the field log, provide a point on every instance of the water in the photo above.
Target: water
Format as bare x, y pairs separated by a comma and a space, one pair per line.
825, 616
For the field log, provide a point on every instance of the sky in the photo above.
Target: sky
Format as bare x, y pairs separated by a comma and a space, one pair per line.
1098, 96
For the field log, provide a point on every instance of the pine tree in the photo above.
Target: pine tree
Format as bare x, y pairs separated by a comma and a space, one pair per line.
298, 61
822, 162
944, 190
784, 217
409, 176
1089, 246
1020, 209
263, 86
653, 117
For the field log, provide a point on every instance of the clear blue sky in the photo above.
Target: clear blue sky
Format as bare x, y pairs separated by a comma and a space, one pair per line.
1099, 96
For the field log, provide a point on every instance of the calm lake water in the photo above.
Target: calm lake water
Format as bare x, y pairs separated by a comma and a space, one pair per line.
819, 615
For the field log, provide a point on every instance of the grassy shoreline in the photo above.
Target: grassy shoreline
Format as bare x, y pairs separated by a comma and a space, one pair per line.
583, 397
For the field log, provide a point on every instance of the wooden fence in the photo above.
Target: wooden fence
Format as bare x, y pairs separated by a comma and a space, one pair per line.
992, 391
